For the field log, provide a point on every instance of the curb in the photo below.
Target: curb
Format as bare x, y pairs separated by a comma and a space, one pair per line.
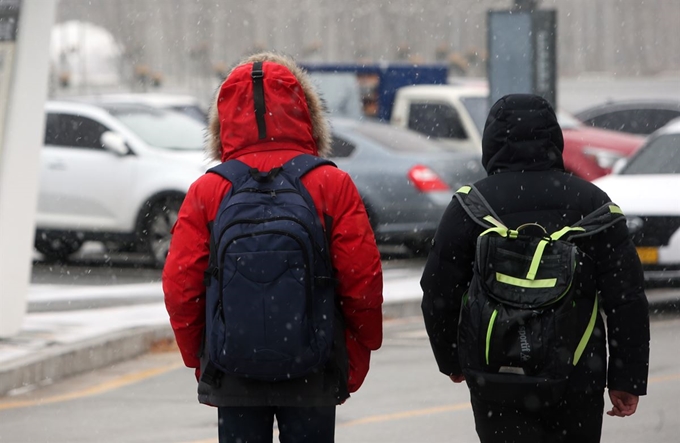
53, 364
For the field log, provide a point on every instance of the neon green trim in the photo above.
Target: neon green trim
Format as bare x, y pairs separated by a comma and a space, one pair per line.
615, 209
586, 335
464, 190
465, 299
494, 222
514, 281
488, 333
566, 291
502, 231
558, 234
526, 225
533, 268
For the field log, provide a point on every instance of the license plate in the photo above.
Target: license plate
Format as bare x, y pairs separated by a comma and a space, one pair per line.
648, 255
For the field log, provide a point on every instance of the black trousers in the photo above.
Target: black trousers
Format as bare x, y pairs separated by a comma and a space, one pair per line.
296, 425
576, 419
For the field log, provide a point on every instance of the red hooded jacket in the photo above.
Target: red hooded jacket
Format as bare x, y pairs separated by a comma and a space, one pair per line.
294, 124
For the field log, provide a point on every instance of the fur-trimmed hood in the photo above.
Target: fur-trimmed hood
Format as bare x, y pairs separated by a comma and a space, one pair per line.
294, 115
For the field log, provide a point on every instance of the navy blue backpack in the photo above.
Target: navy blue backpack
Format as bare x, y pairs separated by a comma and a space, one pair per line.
270, 298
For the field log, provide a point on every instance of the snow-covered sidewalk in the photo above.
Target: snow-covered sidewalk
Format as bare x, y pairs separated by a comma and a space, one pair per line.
79, 326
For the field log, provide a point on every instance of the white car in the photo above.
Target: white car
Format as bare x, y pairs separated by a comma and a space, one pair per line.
647, 188
114, 173
184, 103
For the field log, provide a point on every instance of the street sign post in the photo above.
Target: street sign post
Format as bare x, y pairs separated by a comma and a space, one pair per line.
522, 46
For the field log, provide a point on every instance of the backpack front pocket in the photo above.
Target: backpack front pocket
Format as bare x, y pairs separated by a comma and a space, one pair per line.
513, 340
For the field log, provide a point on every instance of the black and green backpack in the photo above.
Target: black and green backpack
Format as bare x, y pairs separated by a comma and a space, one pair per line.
531, 307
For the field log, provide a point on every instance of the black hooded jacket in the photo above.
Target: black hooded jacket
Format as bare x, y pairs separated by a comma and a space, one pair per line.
522, 153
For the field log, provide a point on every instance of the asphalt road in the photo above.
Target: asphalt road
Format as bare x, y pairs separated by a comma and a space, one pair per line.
404, 399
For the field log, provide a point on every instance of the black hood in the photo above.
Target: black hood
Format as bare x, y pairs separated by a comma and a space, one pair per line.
522, 134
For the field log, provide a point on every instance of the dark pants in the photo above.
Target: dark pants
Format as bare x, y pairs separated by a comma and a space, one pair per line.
296, 425
577, 419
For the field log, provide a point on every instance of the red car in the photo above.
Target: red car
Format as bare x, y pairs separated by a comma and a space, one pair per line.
591, 152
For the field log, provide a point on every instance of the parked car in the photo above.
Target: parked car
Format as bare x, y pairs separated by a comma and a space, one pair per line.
405, 180
633, 116
455, 115
114, 173
646, 188
186, 104
592, 152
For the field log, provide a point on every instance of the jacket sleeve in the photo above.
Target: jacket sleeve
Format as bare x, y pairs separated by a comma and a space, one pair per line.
621, 288
445, 279
183, 277
358, 269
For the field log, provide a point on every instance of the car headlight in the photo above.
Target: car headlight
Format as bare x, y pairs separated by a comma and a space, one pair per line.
605, 158
634, 224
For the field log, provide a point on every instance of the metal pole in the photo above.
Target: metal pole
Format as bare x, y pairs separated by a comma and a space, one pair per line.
20, 146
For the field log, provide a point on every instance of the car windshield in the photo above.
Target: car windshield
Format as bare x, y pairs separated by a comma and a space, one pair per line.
396, 139
192, 111
162, 129
478, 108
660, 156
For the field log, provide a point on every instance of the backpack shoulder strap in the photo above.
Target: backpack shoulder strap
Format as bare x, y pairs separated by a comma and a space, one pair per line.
602, 218
597, 221
295, 168
303, 163
236, 170
476, 206
233, 170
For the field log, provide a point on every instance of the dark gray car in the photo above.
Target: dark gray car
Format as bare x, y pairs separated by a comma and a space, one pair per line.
405, 179
634, 116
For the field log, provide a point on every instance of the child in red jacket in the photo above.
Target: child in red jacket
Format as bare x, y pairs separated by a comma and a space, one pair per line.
293, 123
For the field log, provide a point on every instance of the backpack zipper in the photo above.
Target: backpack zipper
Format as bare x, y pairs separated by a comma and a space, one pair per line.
263, 220
489, 329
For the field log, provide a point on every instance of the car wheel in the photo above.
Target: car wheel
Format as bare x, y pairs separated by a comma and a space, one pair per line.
57, 247
160, 219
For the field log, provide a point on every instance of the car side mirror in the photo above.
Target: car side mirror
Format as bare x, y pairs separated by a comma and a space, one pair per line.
619, 165
114, 142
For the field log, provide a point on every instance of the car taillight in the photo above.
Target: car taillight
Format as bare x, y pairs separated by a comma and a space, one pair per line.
426, 180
